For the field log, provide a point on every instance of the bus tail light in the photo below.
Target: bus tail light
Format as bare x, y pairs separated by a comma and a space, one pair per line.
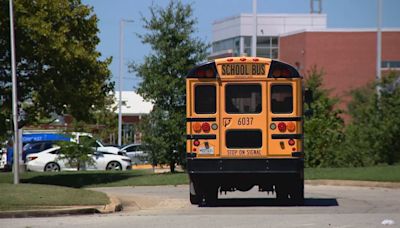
197, 127
196, 142
291, 142
291, 126
206, 127
282, 127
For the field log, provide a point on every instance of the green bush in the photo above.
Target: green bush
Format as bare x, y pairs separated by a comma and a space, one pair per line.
323, 132
373, 135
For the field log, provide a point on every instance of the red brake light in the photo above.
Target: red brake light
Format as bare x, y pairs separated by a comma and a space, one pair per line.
32, 158
206, 127
291, 142
196, 142
282, 127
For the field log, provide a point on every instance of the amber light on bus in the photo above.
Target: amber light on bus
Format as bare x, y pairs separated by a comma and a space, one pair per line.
291, 126
197, 127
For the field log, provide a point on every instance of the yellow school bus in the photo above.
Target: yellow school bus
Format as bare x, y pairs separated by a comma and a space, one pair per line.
244, 128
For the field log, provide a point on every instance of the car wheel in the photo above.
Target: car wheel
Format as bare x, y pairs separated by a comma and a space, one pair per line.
51, 167
114, 165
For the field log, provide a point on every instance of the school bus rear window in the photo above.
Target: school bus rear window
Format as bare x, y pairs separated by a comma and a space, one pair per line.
243, 139
205, 99
243, 98
281, 99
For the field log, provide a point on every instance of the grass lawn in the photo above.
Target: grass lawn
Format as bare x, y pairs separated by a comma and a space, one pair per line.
36, 196
374, 173
91, 179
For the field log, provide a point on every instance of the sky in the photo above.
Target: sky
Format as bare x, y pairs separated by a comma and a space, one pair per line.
340, 14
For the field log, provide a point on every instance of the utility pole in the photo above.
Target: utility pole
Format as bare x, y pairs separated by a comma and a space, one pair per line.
14, 97
379, 49
121, 64
254, 37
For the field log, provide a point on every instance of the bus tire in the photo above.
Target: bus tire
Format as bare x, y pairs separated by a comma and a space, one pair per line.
297, 194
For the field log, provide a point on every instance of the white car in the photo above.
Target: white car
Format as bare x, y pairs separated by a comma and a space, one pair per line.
49, 160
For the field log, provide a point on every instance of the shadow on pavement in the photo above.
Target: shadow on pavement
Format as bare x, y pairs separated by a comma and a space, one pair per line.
79, 180
254, 202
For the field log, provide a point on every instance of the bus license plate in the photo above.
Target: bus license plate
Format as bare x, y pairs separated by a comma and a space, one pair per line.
209, 150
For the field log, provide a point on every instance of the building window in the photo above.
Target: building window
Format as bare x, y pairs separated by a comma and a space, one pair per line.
247, 45
390, 64
267, 46
128, 133
232, 44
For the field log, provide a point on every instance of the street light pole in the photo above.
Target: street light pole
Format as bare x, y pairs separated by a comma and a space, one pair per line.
14, 97
121, 64
254, 37
379, 48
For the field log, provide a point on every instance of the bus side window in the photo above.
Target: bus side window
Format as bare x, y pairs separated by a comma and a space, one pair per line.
281, 99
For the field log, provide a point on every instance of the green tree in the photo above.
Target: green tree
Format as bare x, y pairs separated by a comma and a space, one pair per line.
58, 67
372, 136
323, 132
174, 52
76, 155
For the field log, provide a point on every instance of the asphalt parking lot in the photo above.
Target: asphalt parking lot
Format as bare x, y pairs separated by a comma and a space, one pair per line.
168, 206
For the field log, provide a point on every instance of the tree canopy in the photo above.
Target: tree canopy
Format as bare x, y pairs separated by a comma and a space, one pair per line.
372, 136
170, 33
58, 66
323, 132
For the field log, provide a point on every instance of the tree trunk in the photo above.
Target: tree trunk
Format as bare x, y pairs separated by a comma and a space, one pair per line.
172, 167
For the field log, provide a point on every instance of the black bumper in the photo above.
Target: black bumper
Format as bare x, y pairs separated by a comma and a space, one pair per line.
245, 166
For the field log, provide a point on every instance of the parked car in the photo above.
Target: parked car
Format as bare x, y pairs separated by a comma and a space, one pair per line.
135, 153
3, 158
50, 160
35, 147
38, 137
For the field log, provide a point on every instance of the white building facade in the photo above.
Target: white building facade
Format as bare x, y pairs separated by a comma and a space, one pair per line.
133, 108
232, 36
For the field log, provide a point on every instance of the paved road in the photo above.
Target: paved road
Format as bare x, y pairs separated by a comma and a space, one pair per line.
168, 206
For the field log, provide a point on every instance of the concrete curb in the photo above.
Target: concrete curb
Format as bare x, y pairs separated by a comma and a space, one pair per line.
355, 183
114, 206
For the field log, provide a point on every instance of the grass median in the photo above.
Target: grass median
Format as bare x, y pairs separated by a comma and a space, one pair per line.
90, 179
36, 196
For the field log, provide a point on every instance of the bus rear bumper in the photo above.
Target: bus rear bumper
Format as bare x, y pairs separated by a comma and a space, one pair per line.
245, 166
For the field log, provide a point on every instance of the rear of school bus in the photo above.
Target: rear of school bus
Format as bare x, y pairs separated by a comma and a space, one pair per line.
244, 129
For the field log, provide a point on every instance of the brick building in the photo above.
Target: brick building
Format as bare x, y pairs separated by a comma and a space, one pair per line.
347, 56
